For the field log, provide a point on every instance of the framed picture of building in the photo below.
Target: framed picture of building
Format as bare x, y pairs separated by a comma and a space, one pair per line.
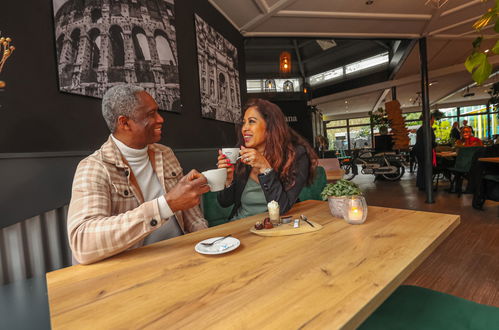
218, 74
102, 43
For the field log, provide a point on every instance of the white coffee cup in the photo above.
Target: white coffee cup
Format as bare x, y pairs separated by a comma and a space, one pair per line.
216, 178
231, 154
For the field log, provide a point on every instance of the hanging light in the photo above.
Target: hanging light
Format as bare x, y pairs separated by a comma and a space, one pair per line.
285, 62
288, 86
269, 85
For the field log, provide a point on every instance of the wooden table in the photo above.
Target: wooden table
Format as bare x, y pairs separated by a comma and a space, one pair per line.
334, 175
447, 154
489, 159
332, 278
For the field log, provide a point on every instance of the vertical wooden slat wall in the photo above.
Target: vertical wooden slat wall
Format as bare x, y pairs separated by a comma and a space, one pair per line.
35, 246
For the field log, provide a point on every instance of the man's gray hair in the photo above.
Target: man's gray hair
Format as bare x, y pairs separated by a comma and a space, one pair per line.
120, 100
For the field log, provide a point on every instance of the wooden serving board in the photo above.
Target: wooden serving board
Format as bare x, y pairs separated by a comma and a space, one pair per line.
287, 229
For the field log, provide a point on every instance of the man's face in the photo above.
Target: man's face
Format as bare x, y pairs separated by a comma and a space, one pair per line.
146, 123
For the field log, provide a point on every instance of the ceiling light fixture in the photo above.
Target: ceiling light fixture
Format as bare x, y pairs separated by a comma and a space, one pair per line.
285, 62
436, 3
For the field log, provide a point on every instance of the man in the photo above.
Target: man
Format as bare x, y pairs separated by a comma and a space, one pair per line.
465, 124
131, 192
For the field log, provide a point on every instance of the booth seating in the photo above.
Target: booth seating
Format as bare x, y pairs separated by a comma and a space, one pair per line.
416, 308
216, 215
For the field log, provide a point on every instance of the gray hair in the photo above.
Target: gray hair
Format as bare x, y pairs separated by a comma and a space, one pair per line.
120, 100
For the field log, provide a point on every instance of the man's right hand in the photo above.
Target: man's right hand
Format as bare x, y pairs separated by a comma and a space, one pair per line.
186, 192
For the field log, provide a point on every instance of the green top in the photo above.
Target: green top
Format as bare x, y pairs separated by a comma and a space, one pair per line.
252, 200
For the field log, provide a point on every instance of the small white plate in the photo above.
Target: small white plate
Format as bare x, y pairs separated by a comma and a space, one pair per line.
222, 246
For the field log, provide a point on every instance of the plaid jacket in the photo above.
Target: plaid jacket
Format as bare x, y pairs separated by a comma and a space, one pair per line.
107, 213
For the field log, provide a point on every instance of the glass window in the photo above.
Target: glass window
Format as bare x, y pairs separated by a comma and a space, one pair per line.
494, 124
359, 121
472, 109
254, 85
336, 123
412, 115
325, 76
449, 112
478, 123
360, 137
282, 85
412, 127
338, 139
367, 63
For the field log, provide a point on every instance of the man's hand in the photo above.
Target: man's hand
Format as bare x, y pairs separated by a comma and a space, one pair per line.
186, 192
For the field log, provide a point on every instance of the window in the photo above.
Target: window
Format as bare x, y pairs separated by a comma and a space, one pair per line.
360, 137
281, 85
367, 63
359, 121
336, 123
338, 139
325, 76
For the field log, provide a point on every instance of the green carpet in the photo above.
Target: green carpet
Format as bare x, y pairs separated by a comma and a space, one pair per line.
412, 307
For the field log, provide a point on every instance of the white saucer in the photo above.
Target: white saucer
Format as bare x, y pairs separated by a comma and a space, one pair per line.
223, 246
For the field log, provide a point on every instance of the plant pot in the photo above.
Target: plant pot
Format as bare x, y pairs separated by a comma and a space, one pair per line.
337, 205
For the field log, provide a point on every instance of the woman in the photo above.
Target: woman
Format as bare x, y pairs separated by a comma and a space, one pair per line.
420, 154
275, 163
468, 140
455, 134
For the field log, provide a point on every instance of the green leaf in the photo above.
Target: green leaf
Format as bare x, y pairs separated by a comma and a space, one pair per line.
496, 26
477, 42
495, 49
482, 72
474, 60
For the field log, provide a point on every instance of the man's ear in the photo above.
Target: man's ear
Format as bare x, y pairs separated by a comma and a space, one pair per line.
123, 123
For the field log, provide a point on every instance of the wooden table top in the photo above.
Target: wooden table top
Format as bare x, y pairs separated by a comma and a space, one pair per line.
332, 278
334, 175
489, 159
447, 154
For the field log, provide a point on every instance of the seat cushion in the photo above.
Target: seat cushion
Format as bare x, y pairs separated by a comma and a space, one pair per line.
313, 192
213, 212
412, 307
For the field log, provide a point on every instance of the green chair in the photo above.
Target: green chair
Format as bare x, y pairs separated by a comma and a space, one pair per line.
462, 166
314, 190
213, 212
416, 308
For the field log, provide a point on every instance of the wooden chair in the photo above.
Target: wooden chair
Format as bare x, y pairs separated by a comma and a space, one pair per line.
332, 168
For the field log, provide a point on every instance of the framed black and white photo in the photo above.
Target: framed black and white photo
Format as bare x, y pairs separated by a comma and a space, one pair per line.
102, 43
218, 74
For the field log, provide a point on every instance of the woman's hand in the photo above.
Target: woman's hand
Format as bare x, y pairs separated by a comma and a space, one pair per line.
224, 162
254, 159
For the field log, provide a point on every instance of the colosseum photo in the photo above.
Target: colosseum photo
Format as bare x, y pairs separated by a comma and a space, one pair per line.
102, 43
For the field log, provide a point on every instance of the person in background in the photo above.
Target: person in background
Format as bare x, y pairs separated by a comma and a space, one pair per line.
420, 154
131, 192
455, 134
275, 164
465, 124
468, 140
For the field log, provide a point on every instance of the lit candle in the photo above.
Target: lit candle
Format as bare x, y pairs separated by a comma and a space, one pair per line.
355, 214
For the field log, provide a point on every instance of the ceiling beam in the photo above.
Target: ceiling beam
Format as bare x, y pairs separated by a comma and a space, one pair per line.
391, 83
281, 4
300, 63
461, 7
262, 5
434, 17
449, 27
460, 37
319, 35
224, 14
353, 15
381, 98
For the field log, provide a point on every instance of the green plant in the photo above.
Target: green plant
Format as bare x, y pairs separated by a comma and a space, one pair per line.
340, 188
478, 63
379, 118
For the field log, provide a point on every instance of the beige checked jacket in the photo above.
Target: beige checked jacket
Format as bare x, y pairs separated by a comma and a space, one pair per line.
107, 213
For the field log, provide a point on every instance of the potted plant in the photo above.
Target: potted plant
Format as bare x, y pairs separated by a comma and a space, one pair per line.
337, 194
379, 119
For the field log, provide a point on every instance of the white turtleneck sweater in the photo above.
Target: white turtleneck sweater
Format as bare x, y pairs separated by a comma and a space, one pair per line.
151, 188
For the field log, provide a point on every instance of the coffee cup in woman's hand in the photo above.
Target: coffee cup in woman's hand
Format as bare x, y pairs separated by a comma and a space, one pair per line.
224, 162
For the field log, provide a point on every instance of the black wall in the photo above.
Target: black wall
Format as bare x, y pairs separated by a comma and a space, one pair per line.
36, 117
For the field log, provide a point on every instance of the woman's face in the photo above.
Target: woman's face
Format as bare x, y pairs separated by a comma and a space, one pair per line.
254, 129
466, 133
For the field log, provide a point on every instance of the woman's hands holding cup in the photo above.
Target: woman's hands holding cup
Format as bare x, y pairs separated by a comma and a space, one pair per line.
224, 162
254, 159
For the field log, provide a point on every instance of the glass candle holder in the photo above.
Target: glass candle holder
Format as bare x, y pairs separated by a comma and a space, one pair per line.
355, 210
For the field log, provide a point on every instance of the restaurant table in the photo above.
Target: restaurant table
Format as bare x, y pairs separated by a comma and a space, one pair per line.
489, 159
331, 278
446, 154
334, 175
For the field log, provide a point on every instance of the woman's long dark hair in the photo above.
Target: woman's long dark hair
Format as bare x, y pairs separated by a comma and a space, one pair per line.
281, 141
